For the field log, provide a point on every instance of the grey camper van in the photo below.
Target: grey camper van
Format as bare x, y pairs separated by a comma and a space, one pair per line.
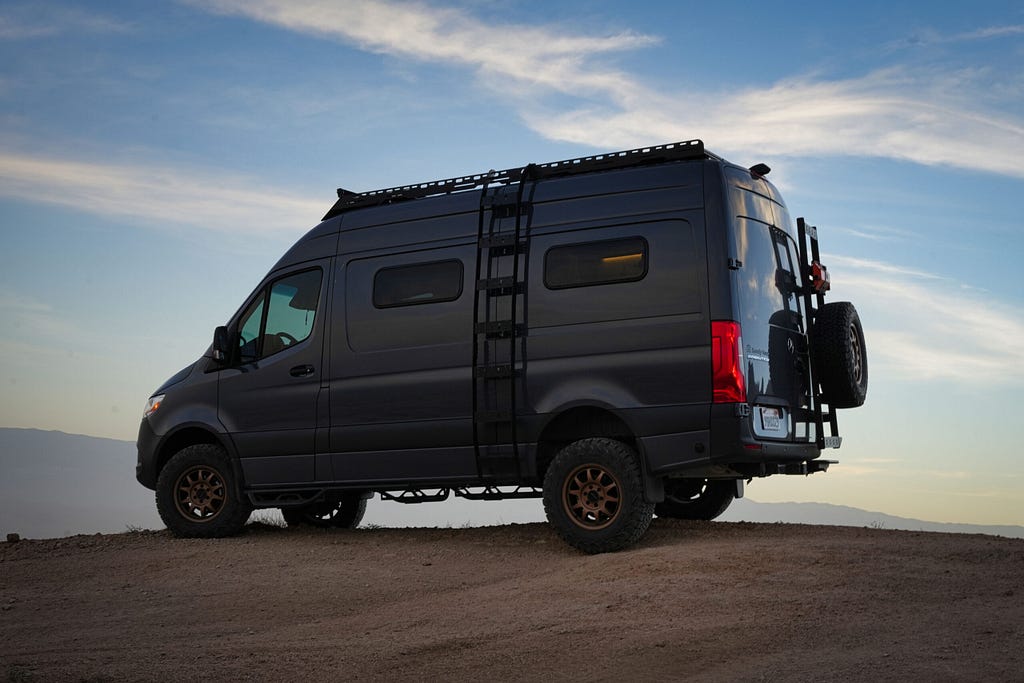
623, 335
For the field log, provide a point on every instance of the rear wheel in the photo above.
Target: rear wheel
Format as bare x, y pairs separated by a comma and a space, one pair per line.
840, 357
197, 495
593, 496
342, 512
696, 498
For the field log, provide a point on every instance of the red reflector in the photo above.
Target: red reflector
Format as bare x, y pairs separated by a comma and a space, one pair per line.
752, 446
819, 277
726, 362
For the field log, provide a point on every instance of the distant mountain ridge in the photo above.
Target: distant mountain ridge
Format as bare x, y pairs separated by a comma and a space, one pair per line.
747, 510
56, 484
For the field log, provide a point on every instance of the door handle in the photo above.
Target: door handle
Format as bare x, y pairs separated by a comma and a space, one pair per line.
302, 371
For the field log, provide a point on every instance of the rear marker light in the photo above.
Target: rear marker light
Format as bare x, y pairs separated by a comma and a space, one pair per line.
819, 278
728, 385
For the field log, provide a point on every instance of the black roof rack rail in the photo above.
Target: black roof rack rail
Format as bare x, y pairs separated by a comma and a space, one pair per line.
673, 151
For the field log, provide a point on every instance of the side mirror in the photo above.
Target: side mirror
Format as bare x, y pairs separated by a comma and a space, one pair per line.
221, 344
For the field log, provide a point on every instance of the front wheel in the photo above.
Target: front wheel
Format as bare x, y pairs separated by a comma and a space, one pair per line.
197, 495
696, 498
593, 496
343, 512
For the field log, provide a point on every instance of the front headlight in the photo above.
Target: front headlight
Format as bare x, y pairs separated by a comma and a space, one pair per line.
153, 404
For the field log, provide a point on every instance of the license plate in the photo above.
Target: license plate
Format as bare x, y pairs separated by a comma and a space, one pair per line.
771, 420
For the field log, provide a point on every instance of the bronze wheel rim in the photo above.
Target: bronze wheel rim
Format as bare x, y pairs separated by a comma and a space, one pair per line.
592, 497
200, 493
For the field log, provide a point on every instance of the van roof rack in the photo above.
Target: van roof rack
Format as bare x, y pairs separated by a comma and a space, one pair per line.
673, 151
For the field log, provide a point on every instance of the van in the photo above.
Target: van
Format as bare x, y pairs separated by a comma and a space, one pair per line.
622, 335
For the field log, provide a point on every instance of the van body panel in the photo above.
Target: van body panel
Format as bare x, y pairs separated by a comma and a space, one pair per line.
666, 453
320, 242
400, 375
403, 466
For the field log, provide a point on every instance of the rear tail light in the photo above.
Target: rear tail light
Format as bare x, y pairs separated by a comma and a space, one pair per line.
727, 362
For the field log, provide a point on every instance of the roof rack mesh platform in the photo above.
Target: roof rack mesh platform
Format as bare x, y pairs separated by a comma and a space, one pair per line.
642, 156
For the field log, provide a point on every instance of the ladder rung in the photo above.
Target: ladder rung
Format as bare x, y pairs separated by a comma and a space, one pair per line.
502, 285
498, 240
505, 210
498, 328
494, 371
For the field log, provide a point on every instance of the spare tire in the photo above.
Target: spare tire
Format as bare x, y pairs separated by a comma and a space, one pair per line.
840, 358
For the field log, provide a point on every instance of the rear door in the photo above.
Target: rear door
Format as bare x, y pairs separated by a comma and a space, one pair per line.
770, 311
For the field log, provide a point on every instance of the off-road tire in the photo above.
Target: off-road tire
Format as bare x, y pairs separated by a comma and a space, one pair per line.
840, 357
594, 496
197, 494
344, 512
703, 499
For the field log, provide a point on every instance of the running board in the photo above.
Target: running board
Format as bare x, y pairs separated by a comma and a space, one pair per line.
496, 493
412, 496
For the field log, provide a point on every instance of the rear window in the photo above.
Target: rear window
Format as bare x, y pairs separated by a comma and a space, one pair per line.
595, 263
768, 280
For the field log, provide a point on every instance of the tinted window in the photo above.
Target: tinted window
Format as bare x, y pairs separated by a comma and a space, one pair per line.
286, 319
768, 281
423, 283
595, 263
249, 331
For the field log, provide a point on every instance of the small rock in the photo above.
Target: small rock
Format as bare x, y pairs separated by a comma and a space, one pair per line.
13, 538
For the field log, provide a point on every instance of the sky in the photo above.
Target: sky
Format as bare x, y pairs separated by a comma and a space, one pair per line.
156, 158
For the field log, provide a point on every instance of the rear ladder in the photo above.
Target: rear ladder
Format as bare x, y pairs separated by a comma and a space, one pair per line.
822, 412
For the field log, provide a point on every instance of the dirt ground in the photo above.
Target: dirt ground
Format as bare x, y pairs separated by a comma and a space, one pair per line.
695, 600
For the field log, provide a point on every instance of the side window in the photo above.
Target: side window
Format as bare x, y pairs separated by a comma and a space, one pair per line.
595, 263
422, 283
284, 318
249, 331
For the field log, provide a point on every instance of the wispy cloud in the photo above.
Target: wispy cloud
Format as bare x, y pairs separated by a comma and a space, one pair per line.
892, 113
875, 233
27, 318
11, 301
924, 327
991, 32
531, 55
40, 20
206, 199
930, 36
